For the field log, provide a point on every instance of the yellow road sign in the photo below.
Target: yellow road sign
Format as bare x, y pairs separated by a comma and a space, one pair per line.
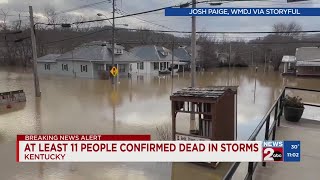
114, 71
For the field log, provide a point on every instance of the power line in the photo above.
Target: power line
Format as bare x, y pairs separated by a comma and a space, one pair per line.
139, 13
81, 7
136, 17
75, 37
11, 15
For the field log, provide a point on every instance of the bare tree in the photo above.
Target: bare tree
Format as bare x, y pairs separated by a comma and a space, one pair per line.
78, 26
291, 29
207, 52
3, 24
286, 33
51, 15
164, 132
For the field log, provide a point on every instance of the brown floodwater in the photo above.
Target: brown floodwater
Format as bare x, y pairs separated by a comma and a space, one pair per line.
137, 106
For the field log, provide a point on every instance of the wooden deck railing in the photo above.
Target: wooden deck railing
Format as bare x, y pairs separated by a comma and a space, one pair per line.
277, 108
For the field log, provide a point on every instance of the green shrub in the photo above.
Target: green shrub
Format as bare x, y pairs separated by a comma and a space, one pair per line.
294, 101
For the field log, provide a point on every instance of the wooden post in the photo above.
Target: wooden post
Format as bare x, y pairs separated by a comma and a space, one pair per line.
173, 120
34, 53
229, 54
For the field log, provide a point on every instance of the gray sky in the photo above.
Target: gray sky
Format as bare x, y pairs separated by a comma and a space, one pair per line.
14, 7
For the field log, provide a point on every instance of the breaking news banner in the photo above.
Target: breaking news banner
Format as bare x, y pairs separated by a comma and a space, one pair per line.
139, 148
242, 12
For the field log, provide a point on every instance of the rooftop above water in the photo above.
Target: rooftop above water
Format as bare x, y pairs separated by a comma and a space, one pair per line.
204, 92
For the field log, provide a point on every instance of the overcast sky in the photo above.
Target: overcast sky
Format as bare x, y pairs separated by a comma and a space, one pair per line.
14, 7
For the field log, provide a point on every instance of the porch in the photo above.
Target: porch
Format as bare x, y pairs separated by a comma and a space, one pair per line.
102, 70
308, 132
273, 127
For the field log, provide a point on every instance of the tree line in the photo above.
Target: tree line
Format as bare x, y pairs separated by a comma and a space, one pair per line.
212, 52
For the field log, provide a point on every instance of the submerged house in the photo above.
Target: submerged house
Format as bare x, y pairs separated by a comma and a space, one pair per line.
155, 59
184, 58
47, 64
91, 60
308, 61
289, 63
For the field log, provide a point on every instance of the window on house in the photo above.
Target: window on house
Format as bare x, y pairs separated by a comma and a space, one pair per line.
119, 51
84, 68
47, 66
142, 65
156, 66
162, 66
122, 67
64, 67
130, 67
100, 67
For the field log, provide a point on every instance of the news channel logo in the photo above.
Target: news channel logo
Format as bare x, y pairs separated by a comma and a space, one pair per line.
281, 151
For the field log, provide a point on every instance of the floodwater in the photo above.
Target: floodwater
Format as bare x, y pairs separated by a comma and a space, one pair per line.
136, 106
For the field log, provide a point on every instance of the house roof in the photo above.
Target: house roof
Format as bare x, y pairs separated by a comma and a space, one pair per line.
213, 92
48, 58
153, 53
290, 59
307, 53
182, 54
98, 51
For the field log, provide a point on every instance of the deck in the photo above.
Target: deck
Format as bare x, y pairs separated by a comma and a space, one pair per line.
308, 132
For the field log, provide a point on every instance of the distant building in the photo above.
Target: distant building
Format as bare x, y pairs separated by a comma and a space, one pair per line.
154, 59
289, 65
91, 60
223, 58
47, 64
308, 61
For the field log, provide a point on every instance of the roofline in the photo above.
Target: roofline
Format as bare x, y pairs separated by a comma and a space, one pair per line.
47, 61
156, 51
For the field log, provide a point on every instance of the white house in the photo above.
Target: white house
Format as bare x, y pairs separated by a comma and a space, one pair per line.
154, 59
308, 61
184, 57
91, 60
47, 64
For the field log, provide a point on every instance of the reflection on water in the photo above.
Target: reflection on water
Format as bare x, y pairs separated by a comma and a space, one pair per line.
137, 105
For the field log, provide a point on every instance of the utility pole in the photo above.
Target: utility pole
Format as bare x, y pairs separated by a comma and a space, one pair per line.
193, 46
265, 61
34, 53
113, 37
229, 54
252, 58
193, 65
172, 66
172, 57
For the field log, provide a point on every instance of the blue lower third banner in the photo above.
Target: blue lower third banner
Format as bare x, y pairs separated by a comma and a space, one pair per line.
242, 11
291, 151
279, 151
